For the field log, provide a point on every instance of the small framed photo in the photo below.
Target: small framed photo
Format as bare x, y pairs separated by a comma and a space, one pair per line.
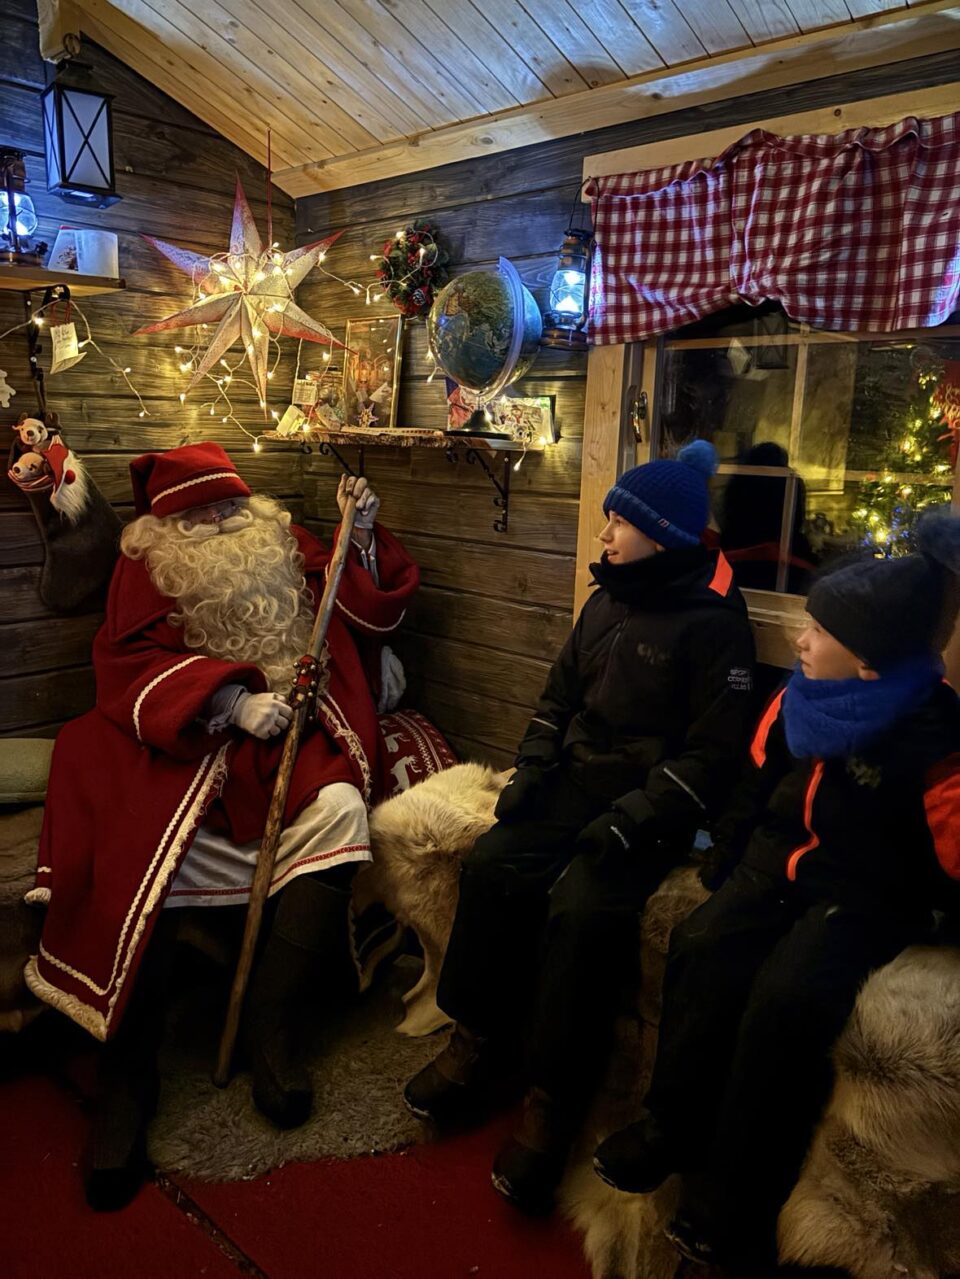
371, 372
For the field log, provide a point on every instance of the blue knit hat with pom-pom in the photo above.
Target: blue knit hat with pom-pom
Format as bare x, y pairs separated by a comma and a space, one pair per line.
667, 499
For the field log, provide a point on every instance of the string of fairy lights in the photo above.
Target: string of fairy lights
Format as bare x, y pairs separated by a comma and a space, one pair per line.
39, 319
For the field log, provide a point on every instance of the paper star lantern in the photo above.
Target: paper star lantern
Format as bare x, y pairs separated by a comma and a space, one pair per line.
248, 293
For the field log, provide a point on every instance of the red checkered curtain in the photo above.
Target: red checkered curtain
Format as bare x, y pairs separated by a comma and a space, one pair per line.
854, 231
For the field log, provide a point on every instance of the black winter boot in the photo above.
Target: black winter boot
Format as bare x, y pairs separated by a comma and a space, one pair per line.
305, 952
460, 1085
530, 1167
637, 1159
114, 1160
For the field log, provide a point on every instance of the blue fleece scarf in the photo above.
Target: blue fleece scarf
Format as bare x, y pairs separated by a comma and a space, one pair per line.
833, 718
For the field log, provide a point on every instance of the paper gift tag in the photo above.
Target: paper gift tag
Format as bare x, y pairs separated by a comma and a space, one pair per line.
304, 391
66, 349
291, 421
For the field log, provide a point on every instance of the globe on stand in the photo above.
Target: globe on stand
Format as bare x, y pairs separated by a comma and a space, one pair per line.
484, 332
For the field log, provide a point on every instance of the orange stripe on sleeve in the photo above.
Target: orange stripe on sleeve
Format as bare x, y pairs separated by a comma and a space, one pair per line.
758, 747
723, 576
814, 841
942, 802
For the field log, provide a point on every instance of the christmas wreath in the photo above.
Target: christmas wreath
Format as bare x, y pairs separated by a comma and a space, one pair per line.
414, 265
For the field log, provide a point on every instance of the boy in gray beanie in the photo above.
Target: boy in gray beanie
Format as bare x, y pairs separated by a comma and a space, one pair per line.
636, 737
845, 835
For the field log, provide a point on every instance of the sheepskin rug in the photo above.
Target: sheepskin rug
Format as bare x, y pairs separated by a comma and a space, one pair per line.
419, 839
880, 1192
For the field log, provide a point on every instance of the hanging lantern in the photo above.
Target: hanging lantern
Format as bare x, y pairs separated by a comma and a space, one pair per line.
18, 217
566, 312
78, 142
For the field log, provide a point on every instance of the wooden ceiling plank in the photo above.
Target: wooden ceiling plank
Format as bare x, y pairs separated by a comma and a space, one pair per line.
716, 25
153, 60
667, 30
766, 19
379, 63
864, 8
438, 30
620, 35
268, 42
575, 40
532, 44
873, 42
199, 71
405, 60
498, 55
236, 71
392, 105
814, 14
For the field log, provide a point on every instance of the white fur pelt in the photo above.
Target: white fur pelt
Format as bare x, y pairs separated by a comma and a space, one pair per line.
880, 1192
418, 839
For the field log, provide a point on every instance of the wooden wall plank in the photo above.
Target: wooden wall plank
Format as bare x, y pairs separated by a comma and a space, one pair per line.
176, 178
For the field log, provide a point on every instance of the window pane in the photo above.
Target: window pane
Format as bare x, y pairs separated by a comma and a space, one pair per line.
828, 444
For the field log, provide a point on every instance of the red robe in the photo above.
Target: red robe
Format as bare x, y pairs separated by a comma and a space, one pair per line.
131, 780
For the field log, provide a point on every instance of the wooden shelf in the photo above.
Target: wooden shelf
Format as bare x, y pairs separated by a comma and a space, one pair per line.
28, 279
403, 437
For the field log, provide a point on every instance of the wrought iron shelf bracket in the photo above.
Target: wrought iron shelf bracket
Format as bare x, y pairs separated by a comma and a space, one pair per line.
502, 499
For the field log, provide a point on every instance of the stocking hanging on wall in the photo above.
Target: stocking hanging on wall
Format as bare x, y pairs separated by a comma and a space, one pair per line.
79, 528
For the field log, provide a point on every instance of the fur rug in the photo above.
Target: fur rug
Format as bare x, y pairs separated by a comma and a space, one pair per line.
418, 840
880, 1191
216, 1134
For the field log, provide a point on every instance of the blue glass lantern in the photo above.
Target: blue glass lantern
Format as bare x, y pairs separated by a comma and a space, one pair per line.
18, 217
78, 144
566, 312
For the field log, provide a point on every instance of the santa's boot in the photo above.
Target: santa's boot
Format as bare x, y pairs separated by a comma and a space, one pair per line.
464, 1083
530, 1167
114, 1159
306, 952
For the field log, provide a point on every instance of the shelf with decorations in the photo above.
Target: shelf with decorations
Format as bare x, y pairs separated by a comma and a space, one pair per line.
31, 279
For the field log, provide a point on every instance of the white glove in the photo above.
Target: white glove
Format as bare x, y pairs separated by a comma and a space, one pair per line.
262, 714
393, 681
367, 501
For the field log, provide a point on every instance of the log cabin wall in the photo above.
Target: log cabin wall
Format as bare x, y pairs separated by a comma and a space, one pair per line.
494, 608
176, 177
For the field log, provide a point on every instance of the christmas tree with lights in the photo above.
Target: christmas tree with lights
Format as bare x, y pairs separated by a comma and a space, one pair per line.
914, 437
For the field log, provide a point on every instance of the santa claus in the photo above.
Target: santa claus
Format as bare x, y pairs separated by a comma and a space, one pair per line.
158, 797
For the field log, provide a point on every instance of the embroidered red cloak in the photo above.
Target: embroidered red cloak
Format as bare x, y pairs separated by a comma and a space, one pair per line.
132, 779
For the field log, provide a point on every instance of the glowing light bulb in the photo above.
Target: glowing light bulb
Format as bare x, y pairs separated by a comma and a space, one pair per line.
142, 413
182, 397
256, 445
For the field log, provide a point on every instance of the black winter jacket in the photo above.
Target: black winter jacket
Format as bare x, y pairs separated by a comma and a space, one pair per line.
877, 830
649, 704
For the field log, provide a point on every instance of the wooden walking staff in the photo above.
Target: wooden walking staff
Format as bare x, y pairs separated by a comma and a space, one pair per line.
301, 700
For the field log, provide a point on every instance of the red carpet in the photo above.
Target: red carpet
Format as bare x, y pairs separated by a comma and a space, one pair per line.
48, 1232
427, 1213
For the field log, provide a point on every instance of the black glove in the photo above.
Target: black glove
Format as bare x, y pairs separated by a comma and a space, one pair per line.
714, 867
519, 791
611, 832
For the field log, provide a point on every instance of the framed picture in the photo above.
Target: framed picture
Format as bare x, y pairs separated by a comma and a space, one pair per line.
371, 372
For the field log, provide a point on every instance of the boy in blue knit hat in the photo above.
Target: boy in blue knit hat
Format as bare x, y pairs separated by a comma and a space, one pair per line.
845, 835
635, 739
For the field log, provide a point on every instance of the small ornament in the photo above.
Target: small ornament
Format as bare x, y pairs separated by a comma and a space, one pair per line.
413, 266
65, 348
292, 420
304, 391
6, 390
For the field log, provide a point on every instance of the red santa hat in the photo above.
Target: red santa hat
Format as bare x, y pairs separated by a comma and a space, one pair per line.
173, 482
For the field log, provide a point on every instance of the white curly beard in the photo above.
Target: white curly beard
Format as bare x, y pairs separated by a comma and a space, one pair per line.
238, 585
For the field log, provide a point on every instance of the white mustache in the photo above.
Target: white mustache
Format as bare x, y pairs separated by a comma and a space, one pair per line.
201, 532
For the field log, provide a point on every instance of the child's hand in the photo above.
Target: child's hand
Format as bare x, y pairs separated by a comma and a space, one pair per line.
612, 832
516, 795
